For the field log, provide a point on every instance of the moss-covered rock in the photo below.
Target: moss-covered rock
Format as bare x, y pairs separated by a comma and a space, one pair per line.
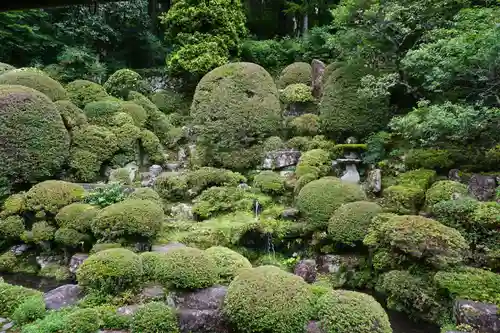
137, 112
287, 300
306, 124
37, 80
316, 161
52, 195
122, 82
83, 92
35, 143
72, 116
350, 222
12, 296
444, 190
298, 72
129, 219
343, 112
270, 182
434, 159
236, 107
228, 262
320, 198
154, 317
187, 268
112, 271
342, 311
404, 199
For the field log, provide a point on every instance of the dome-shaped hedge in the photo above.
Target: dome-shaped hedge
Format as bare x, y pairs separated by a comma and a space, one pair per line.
123, 81
101, 112
136, 111
298, 72
71, 114
154, 317
316, 161
342, 311
76, 216
228, 261
187, 268
11, 228
145, 193
37, 80
5, 67
349, 223
83, 92
111, 270
268, 299
95, 139
343, 112
236, 107
443, 191
318, 199
52, 195
270, 182
129, 219
34, 141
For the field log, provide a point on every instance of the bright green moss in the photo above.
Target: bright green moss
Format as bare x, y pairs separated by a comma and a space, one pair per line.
52, 195
111, 271
298, 72
434, 159
71, 114
342, 311
404, 199
153, 318
77, 216
315, 161
228, 262
83, 92
270, 182
286, 296
444, 190
37, 80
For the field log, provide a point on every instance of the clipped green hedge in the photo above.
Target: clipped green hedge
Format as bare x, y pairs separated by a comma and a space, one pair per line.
228, 262
298, 72
34, 79
83, 92
52, 195
77, 216
444, 190
12, 296
270, 182
154, 317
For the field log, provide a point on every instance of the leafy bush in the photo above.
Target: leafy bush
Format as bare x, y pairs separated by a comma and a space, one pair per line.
266, 53
320, 198
37, 80
350, 222
40, 232
56, 271
434, 159
422, 178
296, 93
287, 298
13, 296
78, 63
8, 261
77, 216
52, 195
123, 81
171, 187
225, 113
444, 190
154, 317
129, 219
72, 116
404, 199
111, 319
203, 178
11, 228
13, 205
217, 200
316, 161
145, 193
106, 195
228, 262
30, 310
342, 311
83, 92
95, 139
137, 112
111, 271
82, 321
298, 72
152, 147
306, 124
35, 142
54, 322
270, 182
69, 237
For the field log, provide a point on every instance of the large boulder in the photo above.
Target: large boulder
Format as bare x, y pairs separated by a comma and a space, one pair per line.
63, 296
280, 159
482, 317
306, 269
483, 187
318, 70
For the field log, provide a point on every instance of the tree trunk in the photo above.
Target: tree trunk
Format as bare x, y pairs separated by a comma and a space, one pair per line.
305, 24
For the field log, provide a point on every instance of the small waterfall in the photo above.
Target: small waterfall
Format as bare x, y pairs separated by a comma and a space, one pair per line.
257, 207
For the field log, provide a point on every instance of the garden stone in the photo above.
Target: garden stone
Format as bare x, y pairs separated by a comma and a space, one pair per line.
132, 170
43, 261
313, 327
280, 159
19, 250
483, 187
318, 70
204, 299
306, 269
152, 292
155, 170
374, 181
290, 214
202, 321
7, 326
351, 175
164, 248
295, 110
482, 317
128, 310
63, 296
454, 174
182, 211
332, 263
76, 260
173, 166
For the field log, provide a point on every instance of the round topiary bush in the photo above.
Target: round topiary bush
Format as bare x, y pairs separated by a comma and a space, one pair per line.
5, 67
76, 216
285, 298
83, 92
37, 80
145, 193
40, 232
169, 101
344, 112
342, 311
85, 165
111, 271
34, 141
154, 317
136, 111
444, 190
306, 124
95, 139
52, 195
72, 115
13, 205
270, 182
228, 262
187, 268
130, 219
296, 93
236, 107
316, 161
303, 181
82, 321
320, 198
11, 228
350, 222
123, 81
30, 310
69, 237
298, 72
101, 112
152, 147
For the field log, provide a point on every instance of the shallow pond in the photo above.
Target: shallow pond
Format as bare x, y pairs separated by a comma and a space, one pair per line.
400, 322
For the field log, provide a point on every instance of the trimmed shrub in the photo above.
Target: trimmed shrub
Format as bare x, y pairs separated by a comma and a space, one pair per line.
37, 80
301, 143
206, 177
298, 72
306, 124
444, 190
82, 321
316, 161
72, 116
303, 181
12, 296
171, 187
287, 300
404, 199
31, 309
154, 317
228, 262
350, 222
127, 136
95, 139
455, 213
35, 142
121, 118
320, 198
5, 67
13, 205
296, 93
83, 92
145, 193
342, 311
69, 237
129, 219
232, 119
122, 82
11, 228
343, 112
85, 165
111, 271
102, 112
40, 232
434, 159
112, 319
270, 182
187, 268
77, 216
169, 101
273, 143
419, 238
152, 147
136, 111
52, 195
98, 247
422, 178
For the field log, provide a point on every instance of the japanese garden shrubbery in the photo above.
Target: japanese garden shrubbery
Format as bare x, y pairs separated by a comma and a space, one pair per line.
298, 72
34, 79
